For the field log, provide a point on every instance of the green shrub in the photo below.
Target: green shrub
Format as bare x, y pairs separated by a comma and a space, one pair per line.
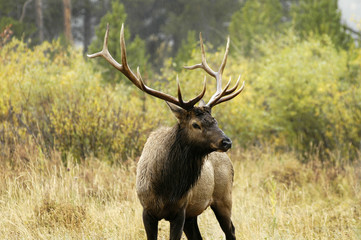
299, 94
303, 97
52, 95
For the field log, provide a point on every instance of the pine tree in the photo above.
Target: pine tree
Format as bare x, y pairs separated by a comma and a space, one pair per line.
185, 51
257, 18
17, 15
136, 51
320, 17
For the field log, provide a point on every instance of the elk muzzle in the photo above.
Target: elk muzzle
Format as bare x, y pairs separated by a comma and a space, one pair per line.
226, 143
221, 143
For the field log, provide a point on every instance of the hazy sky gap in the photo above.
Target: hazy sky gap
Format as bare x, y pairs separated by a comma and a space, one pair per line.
351, 13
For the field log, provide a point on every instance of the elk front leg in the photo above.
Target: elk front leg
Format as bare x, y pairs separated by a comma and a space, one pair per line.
223, 215
176, 225
150, 225
191, 229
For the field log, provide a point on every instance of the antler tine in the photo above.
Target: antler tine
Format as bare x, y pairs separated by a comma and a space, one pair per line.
220, 95
216, 97
234, 87
204, 65
189, 104
105, 52
224, 61
179, 92
192, 102
123, 50
229, 97
125, 67
137, 79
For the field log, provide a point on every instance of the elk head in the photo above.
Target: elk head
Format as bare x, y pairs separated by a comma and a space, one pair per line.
196, 123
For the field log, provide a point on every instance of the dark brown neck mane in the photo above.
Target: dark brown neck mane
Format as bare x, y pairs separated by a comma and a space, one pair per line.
181, 169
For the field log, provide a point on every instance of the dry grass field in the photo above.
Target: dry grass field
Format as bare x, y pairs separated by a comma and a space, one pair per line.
275, 197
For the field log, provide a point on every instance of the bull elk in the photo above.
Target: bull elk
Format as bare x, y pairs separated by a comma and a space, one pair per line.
184, 169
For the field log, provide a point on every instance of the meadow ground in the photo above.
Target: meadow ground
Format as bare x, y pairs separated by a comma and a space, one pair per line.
274, 196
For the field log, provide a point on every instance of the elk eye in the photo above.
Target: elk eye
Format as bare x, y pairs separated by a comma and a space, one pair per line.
195, 125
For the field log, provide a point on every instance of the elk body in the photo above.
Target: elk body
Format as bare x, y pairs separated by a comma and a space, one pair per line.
184, 169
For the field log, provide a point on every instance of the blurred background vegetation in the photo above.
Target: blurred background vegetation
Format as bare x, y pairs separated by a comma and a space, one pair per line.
301, 64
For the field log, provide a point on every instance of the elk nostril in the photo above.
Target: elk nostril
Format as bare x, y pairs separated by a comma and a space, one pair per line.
226, 143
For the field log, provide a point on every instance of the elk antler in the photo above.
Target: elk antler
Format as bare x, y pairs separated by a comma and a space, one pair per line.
137, 79
220, 95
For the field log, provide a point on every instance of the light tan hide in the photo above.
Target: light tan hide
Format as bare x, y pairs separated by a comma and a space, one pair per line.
214, 186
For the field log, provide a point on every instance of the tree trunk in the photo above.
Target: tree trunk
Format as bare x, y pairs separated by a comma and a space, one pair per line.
67, 21
86, 25
39, 19
23, 12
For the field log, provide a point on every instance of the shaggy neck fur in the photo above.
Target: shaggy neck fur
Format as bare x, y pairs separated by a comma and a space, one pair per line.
182, 168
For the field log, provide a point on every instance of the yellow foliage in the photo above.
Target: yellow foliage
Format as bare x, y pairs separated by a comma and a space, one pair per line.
301, 94
53, 94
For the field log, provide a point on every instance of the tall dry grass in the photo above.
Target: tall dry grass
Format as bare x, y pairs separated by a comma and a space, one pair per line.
274, 195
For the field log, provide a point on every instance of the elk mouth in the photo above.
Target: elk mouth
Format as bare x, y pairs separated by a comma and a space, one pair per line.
223, 146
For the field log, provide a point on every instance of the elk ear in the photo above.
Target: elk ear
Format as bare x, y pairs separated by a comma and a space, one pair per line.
208, 109
201, 103
178, 112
